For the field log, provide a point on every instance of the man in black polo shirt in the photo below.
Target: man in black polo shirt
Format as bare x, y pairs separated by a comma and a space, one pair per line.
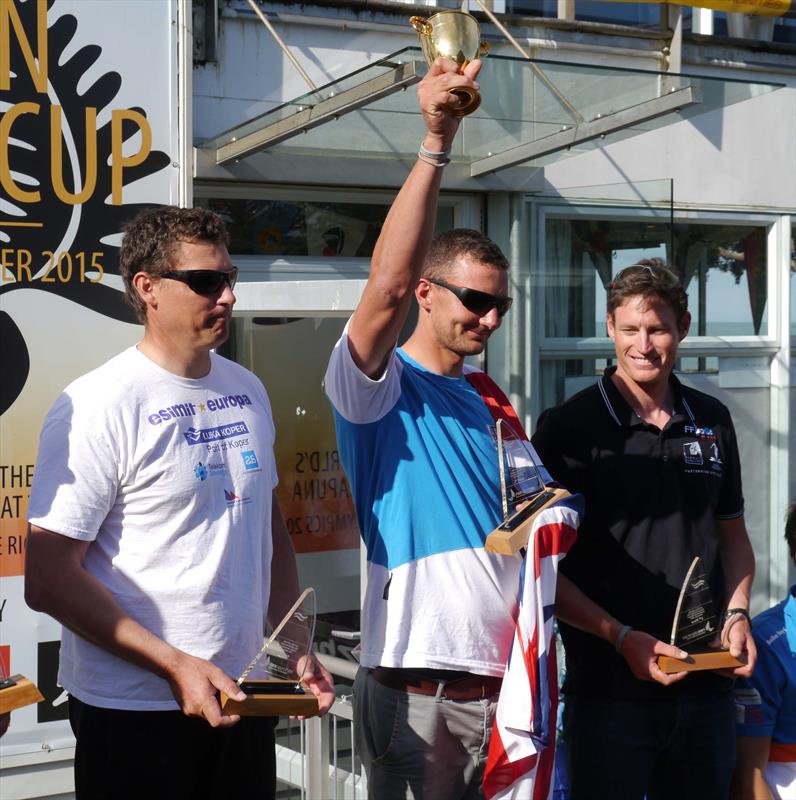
658, 465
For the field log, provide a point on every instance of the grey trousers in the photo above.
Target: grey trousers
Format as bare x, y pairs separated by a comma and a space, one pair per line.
415, 747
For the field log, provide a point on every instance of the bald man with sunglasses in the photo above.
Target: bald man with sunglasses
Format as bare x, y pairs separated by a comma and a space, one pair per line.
417, 440
155, 537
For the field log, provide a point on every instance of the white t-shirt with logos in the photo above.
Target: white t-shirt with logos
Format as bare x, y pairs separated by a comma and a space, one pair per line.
171, 480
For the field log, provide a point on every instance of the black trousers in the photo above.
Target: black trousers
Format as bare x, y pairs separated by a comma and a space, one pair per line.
146, 755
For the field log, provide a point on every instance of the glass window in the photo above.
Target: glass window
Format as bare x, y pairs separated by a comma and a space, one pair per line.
645, 15
793, 281
723, 268
279, 228
289, 355
295, 229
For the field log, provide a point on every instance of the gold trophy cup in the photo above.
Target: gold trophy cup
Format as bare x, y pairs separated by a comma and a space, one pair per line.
455, 35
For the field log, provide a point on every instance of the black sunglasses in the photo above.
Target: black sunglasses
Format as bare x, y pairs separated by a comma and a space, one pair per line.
478, 302
204, 281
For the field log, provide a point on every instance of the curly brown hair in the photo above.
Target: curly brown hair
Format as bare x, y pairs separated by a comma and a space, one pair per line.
448, 246
151, 238
649, 278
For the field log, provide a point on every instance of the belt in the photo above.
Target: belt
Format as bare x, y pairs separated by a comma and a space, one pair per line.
468, 687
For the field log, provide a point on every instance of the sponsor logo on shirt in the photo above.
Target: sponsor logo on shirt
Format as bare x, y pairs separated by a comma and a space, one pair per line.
234, 499
205, 435
180, 410
692, 453
250, 460
703, 454
700, 433
203, 471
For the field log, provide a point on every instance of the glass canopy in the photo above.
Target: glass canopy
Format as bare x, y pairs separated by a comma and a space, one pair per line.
533, 112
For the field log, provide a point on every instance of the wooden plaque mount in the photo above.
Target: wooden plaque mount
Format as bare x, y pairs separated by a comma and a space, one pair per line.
269, 699
508, 538
22, 693
704, 659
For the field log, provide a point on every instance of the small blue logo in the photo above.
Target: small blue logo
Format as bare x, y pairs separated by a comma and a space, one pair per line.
249, 459
200, 470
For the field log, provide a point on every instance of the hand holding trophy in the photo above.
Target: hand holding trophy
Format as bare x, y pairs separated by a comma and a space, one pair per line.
696, 630
275, 678
453, 36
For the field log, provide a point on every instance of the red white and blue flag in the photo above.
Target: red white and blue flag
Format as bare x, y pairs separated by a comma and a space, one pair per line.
522, 749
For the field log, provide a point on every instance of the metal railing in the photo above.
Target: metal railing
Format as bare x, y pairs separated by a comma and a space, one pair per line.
316, 759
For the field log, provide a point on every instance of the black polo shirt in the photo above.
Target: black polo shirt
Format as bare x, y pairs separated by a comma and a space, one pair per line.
653, 498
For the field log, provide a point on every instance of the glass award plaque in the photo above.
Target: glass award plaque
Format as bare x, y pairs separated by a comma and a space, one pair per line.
523, 491
695, 628
273, 679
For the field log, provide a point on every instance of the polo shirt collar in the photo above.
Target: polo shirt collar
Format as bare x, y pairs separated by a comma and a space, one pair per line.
624, 416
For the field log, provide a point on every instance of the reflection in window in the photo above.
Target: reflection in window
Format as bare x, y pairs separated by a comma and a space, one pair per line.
279, 228
305, 228
723, 268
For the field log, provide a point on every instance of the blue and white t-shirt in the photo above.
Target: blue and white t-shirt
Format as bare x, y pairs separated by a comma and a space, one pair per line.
420, 453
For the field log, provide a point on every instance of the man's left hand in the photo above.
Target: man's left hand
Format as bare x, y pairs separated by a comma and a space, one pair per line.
737, 637
319, 681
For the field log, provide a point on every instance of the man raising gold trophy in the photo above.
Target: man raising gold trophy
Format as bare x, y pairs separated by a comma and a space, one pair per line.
417, 440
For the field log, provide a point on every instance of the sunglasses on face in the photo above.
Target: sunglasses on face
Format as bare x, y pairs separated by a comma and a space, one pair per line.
473, 300
204, 281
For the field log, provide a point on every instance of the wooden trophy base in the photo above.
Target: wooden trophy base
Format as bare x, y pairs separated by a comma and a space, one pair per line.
513, 534
272, 699
703, 659
21, 693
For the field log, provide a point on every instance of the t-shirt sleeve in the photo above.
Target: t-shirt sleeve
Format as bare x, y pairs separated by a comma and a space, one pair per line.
355, 396
731, 503
77, 473
759, 698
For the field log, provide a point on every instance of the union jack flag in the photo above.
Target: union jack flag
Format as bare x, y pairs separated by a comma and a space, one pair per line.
522, 748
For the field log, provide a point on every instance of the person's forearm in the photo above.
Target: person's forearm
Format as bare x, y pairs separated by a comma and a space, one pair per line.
285, 588
64, 589
737, 562
579, 611
395, 270
407, 231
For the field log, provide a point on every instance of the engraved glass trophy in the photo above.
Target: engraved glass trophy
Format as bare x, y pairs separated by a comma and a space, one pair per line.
273, 679
696, 628
523, 491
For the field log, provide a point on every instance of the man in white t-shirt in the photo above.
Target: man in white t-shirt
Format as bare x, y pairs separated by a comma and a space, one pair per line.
155, 538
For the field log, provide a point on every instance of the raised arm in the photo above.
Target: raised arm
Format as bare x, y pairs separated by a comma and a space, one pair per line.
406, 234
57, 583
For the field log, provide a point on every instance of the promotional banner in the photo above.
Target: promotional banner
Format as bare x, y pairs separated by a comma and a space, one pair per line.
88, 137
767, 8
